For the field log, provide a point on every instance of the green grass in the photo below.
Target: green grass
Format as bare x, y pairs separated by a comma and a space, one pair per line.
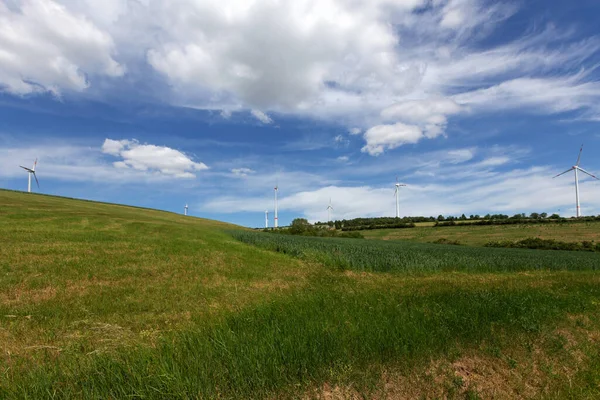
403, 257
106, 301
480, 235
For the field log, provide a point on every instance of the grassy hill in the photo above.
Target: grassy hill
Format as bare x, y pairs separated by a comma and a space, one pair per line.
108, 301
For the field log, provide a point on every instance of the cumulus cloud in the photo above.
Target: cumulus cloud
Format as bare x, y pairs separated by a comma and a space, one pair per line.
362, 64
384, 137
45, 47
150, 158
242, 171
261, 116
429, 114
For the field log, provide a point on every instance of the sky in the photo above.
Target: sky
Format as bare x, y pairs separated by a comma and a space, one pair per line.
475, 105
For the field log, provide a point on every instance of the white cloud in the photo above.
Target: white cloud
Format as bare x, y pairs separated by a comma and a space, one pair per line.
73, 164
362, 64
261, 116
45, 47
382, 137
494, 161
150, 158
343, 159
460, 155
242, 171
510, 192
430, 114
547, 95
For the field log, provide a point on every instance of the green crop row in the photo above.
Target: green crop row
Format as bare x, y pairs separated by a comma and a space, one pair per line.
382, 256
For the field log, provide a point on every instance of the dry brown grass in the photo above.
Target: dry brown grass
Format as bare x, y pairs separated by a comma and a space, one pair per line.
535, 370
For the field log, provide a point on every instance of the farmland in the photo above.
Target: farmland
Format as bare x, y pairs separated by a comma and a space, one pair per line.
107, 301
480, 235
405, 257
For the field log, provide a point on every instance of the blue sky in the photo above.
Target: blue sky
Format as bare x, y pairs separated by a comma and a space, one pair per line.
474, 104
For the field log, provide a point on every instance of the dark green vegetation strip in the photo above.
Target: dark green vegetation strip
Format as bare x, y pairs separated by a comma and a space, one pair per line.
329, 333
380, 256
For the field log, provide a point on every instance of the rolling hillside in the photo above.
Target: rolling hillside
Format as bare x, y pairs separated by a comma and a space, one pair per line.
108, 301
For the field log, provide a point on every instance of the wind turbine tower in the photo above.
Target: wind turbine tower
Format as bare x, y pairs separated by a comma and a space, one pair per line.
276, 219
577, 168
397, 193
266, 218
329, 210
31, 171
185, 209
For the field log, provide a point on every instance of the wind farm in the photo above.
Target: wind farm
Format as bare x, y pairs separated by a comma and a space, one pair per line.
232, 200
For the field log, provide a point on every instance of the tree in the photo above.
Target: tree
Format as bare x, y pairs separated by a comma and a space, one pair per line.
544, 215
440, 217
299, 226
534, 215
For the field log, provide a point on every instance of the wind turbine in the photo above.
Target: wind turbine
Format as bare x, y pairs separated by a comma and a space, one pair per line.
31, 172
329, 210
185, 209
577, 168
276, 219
397, 193
266, 218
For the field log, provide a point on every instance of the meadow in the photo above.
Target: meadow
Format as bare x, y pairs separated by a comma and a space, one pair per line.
472, 235
107, 301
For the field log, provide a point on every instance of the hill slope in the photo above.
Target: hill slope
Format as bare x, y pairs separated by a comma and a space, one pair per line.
107, 301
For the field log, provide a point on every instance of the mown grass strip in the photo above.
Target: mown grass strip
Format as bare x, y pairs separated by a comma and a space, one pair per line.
380, 256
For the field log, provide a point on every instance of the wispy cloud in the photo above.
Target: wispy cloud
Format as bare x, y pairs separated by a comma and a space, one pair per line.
520, 190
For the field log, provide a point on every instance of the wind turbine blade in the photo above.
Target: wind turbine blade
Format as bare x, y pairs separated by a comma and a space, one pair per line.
585, 172
562, 173
25, 168
36, 180
579, 157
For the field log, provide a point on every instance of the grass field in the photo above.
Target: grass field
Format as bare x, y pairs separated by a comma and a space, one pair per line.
405, 257
480, 235
106, 301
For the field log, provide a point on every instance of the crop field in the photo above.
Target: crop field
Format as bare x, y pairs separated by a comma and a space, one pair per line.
105, 301
480, 235
406, 257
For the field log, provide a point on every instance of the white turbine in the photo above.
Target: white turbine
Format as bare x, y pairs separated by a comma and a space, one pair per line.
266, 218
276, 219
31, 171
397, 193
185, 209
329, 210
577, 168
